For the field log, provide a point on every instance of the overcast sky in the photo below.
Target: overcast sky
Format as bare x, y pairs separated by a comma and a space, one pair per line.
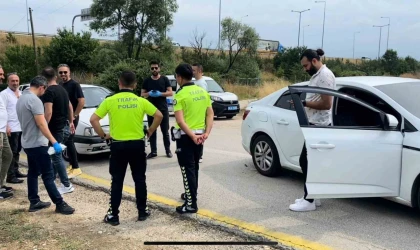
272, 19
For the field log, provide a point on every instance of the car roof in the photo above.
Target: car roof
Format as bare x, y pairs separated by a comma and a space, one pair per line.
374, 81
171, 77
81, 85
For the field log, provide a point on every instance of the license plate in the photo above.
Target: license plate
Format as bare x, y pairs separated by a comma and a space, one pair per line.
232, 108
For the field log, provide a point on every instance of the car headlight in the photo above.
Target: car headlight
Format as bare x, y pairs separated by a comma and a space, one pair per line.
216, 99
89, 132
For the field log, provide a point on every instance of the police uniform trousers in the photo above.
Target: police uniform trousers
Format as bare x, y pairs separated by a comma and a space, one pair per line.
122, 154
188, 154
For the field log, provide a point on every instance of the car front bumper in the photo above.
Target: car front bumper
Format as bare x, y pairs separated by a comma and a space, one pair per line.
90, 145
226, 108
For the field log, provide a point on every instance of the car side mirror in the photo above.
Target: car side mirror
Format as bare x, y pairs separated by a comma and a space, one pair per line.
391, 122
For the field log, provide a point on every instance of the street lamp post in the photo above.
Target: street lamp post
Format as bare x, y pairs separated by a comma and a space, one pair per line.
323, 25
300, 17
389, 24
220, 21
304, 34
354, 40
380, 35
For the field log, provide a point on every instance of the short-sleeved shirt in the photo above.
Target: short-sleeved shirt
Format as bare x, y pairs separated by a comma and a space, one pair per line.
74, 91
58, 96
193, 101
27, 107
126, 111
10, 99
324, 78
202, 83
161, 84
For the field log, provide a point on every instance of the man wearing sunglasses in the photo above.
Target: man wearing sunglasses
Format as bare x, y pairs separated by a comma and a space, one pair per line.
156, 88
77, 100
10, 97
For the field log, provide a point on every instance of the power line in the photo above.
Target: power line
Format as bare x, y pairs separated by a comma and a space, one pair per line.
34, 9
64, 5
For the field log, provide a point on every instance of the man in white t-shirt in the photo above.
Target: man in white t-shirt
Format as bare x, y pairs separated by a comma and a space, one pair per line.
199, 81
318, 109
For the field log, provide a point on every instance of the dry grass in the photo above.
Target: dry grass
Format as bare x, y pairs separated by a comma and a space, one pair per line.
411, 75
269, 84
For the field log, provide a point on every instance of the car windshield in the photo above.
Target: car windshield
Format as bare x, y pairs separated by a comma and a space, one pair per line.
94, 96
213, 86
405, 94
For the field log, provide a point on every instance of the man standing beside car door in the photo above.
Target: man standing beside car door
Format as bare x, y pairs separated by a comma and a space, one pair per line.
199, 81
156, 88
77, 100
318, 109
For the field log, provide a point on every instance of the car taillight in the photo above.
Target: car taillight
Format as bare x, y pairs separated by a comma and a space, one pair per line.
245, 114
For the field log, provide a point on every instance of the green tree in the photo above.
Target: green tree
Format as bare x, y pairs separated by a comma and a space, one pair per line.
21, 59
289, 61
102, 59
75, 50
390, 62
142, 21
239, 38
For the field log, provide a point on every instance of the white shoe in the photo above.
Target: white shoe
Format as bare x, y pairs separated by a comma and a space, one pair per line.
201, 160
303, 206
64, 190
317, 201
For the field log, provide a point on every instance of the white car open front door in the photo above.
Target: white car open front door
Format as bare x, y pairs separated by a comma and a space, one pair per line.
358, 156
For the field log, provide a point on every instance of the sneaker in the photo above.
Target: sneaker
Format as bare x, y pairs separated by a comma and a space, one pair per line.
39, 206
64, 208
5, 195
201, 160
317, 201
14, 181
143, 215
303, 206
151, 155
169, 154
69, 168
64, 190
112, 220
7, 189
186, 209
74, 173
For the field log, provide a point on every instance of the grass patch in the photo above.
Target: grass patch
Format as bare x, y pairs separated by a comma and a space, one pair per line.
15, 227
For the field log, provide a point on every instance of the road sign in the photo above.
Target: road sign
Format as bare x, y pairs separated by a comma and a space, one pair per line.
267, 45
85, 15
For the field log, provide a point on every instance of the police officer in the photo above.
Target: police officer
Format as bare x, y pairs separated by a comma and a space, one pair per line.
194, 121
126, 111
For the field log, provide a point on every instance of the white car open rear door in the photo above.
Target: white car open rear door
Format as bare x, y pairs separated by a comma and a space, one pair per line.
358, 156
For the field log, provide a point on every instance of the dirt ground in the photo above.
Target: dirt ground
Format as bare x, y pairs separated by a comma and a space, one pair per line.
45, 229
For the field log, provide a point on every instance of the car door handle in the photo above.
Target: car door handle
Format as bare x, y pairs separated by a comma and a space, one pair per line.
282, 122
322, 146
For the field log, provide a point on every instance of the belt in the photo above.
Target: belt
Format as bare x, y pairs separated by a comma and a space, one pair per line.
176, 133
195, 131
111, 140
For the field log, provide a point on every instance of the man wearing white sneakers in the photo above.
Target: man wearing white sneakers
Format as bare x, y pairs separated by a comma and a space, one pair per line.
318, 110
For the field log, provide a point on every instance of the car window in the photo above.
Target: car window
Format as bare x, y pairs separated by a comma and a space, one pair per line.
94, 96
284, 101
173, 84
350, 114
213, 86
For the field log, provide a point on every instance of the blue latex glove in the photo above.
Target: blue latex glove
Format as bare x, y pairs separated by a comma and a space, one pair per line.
152, 94
57, 147
158, 93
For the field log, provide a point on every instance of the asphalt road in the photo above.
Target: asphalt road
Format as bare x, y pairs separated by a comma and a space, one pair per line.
230, 185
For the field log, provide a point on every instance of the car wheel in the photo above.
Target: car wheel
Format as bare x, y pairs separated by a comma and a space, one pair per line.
265, 156
65, 155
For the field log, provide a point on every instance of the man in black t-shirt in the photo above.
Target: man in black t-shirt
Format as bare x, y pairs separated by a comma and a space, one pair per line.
156, 88
77, 100
59, 116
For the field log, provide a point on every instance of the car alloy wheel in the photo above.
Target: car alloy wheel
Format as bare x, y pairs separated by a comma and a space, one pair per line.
264, 155
65, 155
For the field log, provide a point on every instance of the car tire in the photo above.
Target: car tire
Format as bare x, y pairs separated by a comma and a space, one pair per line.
65, 156
264, 145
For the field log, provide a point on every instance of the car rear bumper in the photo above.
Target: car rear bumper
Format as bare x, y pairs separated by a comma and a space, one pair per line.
90, 145
225, 108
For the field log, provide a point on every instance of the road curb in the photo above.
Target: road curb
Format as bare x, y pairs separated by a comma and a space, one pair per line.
169, 210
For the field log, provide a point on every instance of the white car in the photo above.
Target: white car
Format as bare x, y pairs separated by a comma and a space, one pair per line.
372, 148
86, 141
225, 104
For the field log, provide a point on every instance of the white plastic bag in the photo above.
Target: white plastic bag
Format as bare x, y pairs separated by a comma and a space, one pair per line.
51, 150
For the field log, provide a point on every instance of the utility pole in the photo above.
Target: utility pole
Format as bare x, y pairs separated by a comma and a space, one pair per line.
380, 35
323, 25
220, 22
354, 39
72, 23
300, 17
389, 24
33, 40
27, 18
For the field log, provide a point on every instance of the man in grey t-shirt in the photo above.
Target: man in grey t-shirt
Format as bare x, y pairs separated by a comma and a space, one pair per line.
35, 137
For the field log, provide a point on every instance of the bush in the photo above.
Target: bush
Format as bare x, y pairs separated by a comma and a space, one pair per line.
109, 78
102, 59
21, 59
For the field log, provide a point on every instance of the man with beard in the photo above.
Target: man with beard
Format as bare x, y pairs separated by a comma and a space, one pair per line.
77, 100
156, 88
318, 109
10, 97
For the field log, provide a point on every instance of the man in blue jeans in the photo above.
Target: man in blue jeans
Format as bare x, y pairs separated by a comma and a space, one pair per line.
59, 116
35, 137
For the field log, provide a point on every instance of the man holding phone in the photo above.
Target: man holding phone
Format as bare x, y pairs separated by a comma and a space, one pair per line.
156, 88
